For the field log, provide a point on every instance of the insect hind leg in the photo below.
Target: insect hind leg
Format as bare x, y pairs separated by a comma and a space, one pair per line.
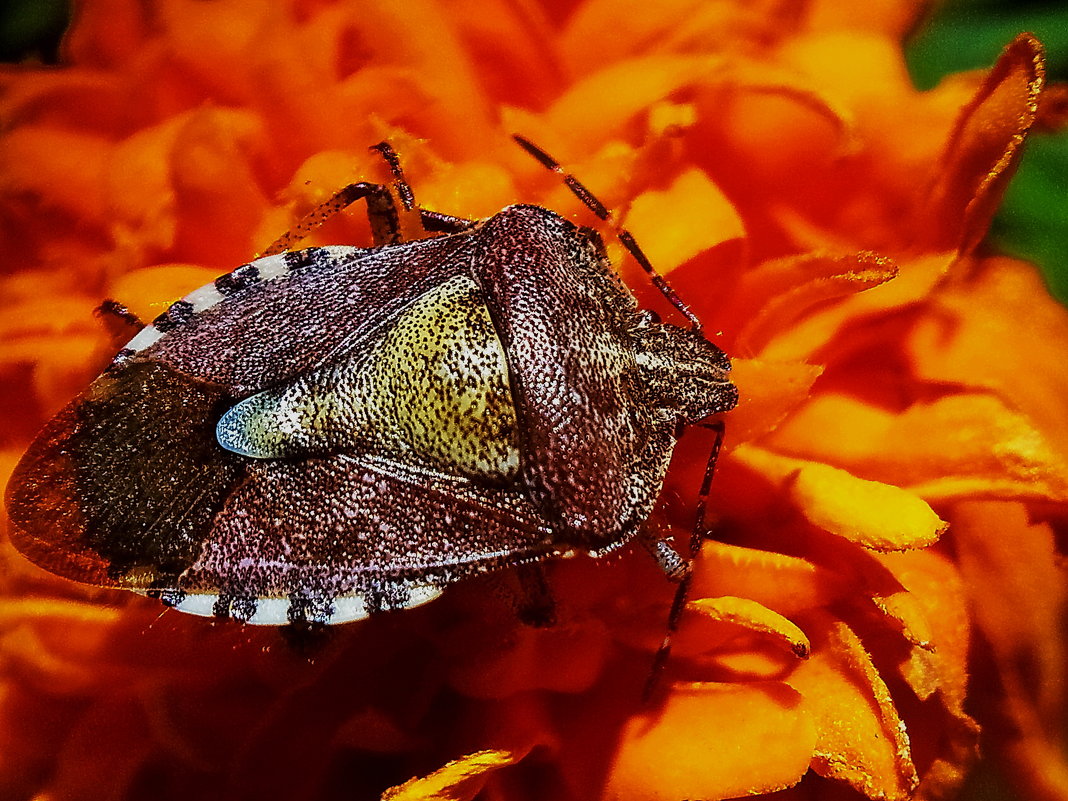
537, 606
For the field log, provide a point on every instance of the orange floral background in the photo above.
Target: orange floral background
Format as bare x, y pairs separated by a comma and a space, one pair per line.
884, 592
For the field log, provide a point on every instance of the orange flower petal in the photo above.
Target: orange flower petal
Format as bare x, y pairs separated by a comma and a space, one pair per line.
766, 747
753, 616
890, 17
473, 189
594, 105
1016, 580
768, 391
878, 516
789, 288
637, 24
500, 660
958, 446
215, 187
1007, 349
860, 737
784, 583
933, 618
815, 333
64, 169
691, 216
935, 621
106, 33
983, 149
459, 780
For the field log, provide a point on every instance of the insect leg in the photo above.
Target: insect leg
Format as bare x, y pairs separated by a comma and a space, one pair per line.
120, 323
538, 607
597, 207
385, 228
400, 183
115, 315
437, 223
432, 221
700, 528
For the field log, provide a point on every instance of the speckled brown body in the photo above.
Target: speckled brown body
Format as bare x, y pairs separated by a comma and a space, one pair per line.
352, 429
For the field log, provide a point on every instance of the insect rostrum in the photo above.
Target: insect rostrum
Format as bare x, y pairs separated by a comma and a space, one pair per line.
329, 432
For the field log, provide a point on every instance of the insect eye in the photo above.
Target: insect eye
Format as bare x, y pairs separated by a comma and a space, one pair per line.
593, 236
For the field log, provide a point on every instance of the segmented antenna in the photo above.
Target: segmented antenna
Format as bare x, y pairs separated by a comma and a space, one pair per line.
597, 207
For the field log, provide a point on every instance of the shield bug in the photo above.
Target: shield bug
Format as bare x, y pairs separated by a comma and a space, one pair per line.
325, 433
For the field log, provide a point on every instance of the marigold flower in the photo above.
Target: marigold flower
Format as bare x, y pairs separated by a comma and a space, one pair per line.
883, 577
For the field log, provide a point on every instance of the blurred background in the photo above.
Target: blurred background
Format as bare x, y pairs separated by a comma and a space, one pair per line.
960, 35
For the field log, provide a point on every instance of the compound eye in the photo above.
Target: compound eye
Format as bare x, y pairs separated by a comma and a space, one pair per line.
593, 236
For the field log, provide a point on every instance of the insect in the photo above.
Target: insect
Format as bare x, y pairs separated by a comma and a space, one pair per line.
326, 433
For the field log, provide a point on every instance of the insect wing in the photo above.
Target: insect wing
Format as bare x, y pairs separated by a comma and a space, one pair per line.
330, 527
278, 317
126, 486
117, 486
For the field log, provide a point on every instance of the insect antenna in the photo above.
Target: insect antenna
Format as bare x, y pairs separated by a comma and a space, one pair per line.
700, 528
597, 207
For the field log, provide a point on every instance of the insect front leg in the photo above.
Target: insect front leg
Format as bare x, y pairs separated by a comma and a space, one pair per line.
389, 225
684, 571
381, 212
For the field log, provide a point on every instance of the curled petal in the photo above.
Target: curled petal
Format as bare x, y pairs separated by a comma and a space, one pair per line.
861, 738
784, 583
878, 516
983, 149
816, 336
751, 615
460, 780
786, 289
